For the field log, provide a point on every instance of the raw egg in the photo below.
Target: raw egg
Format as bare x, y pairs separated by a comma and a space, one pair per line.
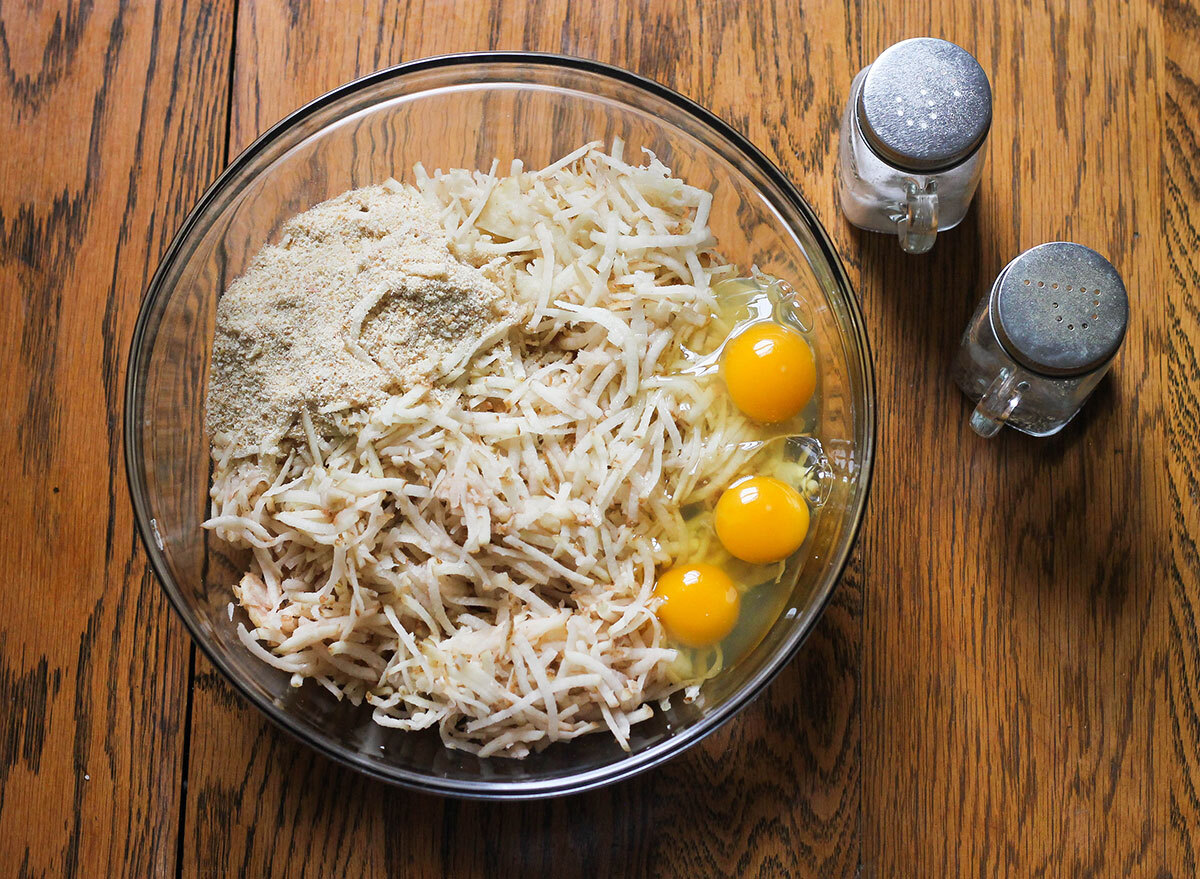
700, 605
769, 371
761, 519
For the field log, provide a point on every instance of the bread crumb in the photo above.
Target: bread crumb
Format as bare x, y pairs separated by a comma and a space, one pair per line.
360, 299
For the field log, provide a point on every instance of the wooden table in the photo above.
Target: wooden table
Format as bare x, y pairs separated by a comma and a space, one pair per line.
1006, 683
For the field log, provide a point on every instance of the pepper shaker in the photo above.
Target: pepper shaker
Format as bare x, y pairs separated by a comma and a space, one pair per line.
913, 139
1042, 339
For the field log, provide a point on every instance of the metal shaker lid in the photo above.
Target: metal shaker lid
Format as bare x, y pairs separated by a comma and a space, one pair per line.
925, 105
1060, 309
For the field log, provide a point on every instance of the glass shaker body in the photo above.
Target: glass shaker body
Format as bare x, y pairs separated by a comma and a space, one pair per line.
1042, 339
1035, 404
880, 197
913, 139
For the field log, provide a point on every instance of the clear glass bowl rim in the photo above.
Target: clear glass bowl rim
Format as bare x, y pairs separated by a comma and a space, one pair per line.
685, 738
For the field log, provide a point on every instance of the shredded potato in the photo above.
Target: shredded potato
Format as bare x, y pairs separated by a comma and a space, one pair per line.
480, 555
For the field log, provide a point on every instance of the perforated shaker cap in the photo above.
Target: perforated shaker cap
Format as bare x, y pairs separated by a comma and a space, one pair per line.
1060, 309
925, 105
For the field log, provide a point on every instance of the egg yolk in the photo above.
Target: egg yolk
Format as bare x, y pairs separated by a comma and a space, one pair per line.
760, 519
769, 371
700, 605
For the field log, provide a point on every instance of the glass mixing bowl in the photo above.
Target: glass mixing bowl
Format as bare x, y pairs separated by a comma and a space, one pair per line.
463, 111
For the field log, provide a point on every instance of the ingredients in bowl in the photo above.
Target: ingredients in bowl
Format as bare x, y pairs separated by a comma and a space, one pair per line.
699, 604
761, 519
462, 427
769, 371
360, 296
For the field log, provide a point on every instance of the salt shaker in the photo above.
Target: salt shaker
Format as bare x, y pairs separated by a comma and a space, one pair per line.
913, 139
1042, 339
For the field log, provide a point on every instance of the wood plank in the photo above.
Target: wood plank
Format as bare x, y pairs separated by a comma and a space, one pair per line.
784, 775
1015, 610
1009, 672
114, 119
1180, 668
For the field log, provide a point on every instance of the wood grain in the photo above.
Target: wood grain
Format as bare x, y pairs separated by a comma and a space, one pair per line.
1179, 669
113, 119
792, 801
1015, 617
1007, 681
